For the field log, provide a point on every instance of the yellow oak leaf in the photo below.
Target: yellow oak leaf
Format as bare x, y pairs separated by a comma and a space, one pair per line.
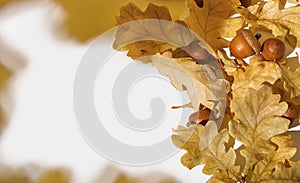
269, 15
230, 65
131, 12
220, 177
254, 75
202, 82
291, 79
259, 119
211, 21
150, 31
207, 148
284, 151
283, 174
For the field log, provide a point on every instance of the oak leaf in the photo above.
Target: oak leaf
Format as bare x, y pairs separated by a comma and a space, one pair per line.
284, 151
254, 75
259, 113
212, 23
270, 15
291, 80
220, 177
201, 81
148, 32
207, 148
283, 174
230, 66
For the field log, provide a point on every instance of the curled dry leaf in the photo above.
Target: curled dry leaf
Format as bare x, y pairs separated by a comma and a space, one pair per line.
258, 122
204, 145
200, 81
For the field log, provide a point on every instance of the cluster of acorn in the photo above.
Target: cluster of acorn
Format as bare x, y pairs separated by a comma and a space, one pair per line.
246, 44
243, 45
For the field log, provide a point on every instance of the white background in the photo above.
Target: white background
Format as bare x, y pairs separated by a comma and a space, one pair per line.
42, 128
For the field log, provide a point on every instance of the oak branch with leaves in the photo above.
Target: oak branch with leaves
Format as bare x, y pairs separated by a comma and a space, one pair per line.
261, 88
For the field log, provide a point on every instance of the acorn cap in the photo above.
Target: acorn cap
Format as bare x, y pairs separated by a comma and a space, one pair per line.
251, 40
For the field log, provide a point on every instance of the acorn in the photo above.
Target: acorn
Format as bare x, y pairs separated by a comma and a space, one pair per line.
200, 117
195, 51
244, 44
273, 49
245, 3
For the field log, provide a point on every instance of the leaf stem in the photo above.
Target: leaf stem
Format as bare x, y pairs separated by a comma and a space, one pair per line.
243, 180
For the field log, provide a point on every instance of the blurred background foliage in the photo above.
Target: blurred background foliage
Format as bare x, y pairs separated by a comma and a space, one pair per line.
89, 18
5, 73
83, 20
5, 2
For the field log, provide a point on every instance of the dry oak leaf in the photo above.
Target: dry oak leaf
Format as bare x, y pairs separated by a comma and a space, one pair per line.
259, 119
247, 3
283, 174
220, 177
229, 65
270, 16
253, 76
284, 151
201, 81
212, 23
291, 80
204, 145
149, 32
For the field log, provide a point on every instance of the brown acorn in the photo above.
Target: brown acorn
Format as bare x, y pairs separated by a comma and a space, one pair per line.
200, 117
273, 49
244, 44
195, 51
